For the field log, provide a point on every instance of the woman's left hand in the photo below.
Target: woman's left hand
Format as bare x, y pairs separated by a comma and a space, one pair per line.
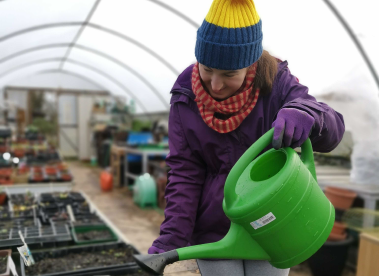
292, 128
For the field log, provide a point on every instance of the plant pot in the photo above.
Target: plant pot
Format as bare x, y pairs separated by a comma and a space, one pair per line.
50, 170
37, 169
4, 254
6, 182
338, 228
19, 153
6, 172
330, 259
23, 170
66, 177
62, 166
337, 237
340, 198
3, 197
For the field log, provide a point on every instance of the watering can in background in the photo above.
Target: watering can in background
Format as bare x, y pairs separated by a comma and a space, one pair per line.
277, 210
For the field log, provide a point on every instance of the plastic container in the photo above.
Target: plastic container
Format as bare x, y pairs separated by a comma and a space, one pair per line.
340, 198
106, 181
83, 229
64, 176
123, 269
330, 259
62, 166
338, 228
337, 237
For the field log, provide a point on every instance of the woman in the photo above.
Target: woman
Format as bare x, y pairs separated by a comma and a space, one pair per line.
220, 106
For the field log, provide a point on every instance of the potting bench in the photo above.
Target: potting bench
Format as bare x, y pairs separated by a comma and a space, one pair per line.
145, 153
117, 157
38, 187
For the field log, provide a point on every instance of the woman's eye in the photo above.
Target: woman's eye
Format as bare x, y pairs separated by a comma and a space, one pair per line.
229, 76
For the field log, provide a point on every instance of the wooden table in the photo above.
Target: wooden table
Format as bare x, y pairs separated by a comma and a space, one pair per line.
368, 258
117, 157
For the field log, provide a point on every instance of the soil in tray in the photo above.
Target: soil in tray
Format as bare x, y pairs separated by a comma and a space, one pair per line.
88, 221
16, 223
94, 235
3, 264
23, 199
78, 261
4, 215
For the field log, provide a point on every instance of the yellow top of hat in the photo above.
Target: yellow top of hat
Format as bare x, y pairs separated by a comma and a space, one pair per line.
233, 13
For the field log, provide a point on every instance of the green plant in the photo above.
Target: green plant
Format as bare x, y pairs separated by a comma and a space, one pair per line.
37, 100
138, 125
44, 126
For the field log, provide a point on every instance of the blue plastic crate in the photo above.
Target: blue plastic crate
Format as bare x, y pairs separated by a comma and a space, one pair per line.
138, 138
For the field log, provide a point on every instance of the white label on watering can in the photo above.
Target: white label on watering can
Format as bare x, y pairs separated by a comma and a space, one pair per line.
263, 221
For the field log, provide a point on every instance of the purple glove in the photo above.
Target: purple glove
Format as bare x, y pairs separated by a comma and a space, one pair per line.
292, 128
155, 250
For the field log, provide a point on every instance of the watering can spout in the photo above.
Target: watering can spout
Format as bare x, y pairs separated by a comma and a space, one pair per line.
156, 263
237, 244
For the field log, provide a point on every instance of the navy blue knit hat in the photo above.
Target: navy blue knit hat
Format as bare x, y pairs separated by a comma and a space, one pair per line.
230, 37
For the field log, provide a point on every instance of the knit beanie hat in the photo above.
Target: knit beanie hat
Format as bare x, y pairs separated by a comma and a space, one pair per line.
230, 37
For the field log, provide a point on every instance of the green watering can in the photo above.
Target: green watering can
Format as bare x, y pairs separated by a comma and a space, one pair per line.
277, 210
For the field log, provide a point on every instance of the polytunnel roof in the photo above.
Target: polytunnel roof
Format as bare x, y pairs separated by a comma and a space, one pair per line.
137, 48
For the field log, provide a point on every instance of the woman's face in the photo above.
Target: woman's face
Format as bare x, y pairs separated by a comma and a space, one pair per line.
221, 84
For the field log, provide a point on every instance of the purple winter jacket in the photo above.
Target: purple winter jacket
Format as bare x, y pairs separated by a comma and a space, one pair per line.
200, 158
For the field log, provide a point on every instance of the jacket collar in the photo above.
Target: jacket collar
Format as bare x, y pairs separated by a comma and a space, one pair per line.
183, 83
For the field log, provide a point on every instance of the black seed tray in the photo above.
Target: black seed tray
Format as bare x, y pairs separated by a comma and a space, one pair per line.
19, 199
77, 197
123, 269
22, 214
35, 234
46, 197
4, 213
87, 220
17, 222
58, 221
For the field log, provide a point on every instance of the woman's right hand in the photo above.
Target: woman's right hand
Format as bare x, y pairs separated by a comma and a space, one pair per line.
155, 250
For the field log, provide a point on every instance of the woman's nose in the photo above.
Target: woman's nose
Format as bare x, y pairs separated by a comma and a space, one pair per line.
216, 84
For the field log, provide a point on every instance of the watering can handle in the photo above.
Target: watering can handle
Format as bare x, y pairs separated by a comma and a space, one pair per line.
251, 153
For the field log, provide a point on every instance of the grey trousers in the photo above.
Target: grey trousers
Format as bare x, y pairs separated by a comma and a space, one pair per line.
239, 268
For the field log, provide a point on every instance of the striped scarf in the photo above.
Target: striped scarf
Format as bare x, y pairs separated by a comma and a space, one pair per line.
237, 106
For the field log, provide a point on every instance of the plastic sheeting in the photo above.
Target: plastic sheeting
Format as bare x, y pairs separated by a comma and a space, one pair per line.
138, 48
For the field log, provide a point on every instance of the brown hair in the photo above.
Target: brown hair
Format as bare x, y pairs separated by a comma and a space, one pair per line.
266, 73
